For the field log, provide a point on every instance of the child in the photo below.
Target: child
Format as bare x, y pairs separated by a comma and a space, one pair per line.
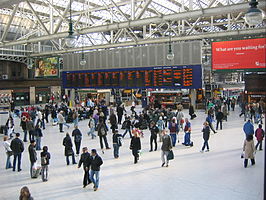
45, 157
249, 150
259, 133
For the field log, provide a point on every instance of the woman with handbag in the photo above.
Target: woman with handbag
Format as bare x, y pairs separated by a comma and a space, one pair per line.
68, 149
9, 152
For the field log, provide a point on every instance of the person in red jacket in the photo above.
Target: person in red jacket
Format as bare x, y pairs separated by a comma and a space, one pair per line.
259, 133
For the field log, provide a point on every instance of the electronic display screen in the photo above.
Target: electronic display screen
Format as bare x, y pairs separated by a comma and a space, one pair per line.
175, 77
239, 54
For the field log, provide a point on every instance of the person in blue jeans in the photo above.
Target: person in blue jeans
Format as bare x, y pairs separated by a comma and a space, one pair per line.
187, 130
17, 147
128, 126
9, 152
38, 136
174, 129
95, 164
116, 143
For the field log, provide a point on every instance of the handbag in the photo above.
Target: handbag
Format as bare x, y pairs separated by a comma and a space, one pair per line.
70, 152
170, 156
242, 155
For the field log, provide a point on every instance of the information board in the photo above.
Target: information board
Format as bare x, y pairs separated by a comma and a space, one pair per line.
239, 54
188, 76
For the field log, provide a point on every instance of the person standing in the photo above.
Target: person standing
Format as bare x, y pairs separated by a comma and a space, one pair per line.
166, 147
17, 147
61, 121
85, 161
192, 112
113, 121
219, 119
76, 133
225, 111
38, 135
120, 111
23, 125
210, 119
161, 127
206, 136
102, 132
248, 128
32, 155
135, 146
173, 127
153, 138
25, 194
45, 161
75, 117
68, 149
30, 128
95, 163
117, 143
249, 150
187, 130
9, 152
259, 133
10, 126
92, 126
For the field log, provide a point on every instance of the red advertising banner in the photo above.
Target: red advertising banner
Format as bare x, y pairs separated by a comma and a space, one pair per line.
239, 54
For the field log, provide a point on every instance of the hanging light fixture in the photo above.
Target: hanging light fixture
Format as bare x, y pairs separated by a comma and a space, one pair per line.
254, 15
70, 40
170, 55
83, 60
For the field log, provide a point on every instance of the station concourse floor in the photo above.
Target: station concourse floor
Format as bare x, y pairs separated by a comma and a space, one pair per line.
215, 175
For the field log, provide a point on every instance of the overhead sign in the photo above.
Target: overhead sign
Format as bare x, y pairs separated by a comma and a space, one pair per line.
239, 54
175, 77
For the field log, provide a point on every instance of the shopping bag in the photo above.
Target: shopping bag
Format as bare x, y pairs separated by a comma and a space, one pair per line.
170, 155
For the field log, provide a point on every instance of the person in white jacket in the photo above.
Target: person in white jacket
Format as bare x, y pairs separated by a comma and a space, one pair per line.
61, 121
8, 150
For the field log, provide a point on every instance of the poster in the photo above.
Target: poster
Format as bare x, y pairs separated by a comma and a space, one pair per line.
239, 54
47, 67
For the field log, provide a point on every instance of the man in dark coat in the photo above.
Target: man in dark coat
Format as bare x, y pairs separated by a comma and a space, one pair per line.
206, 136
85, 160
166, 147
95, 163
77, 138
32, 155
153, 138
135, 146
219, 118
68, 149
17, 147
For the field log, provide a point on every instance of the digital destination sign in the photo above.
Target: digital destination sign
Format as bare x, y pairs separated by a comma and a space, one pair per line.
189, 76
239, 54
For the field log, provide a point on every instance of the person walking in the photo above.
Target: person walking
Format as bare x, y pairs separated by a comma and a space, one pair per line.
219, 119
187, 130
17, 147
225, 111
135, 146
23, 125
173, 127
38, 135
166, 148
9, 152
95, 163
61, 121
75, 117
76, 133
259, 133
153, 138
102, 132
161, 127
117, 143
45, 161
85, 161
120, 111
180, 118
128, 126
32, 156
248, 128
210, 120
192, 112
10, 126
68, 149
91, 126
113, 121
249, 150
206, 136
25, 194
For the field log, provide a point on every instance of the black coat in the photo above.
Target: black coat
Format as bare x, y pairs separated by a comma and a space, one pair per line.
96, 163
47, 155
77, 135
154, 130
206, 133
68, 145
113, 120
17, 146
102, 129
38, 132
32, 154
135, 143
85, 160
219, 116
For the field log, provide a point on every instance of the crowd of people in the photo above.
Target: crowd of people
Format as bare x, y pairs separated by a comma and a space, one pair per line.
158, 120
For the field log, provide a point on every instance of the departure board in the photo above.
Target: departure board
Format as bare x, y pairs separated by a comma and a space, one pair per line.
188, 76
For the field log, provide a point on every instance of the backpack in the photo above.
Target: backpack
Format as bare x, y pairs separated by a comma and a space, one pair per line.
43, 160
173, 128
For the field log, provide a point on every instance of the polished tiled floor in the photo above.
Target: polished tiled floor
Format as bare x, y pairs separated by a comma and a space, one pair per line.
216, 175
